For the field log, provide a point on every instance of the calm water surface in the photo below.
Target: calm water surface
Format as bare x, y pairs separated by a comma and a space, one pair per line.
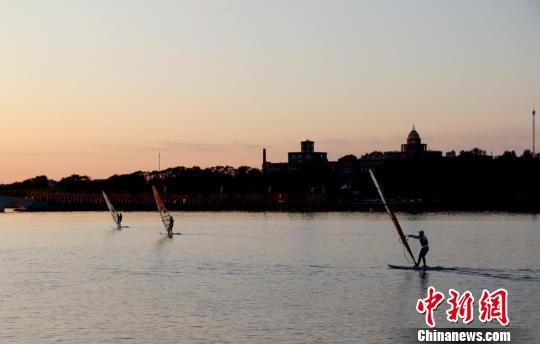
250, 277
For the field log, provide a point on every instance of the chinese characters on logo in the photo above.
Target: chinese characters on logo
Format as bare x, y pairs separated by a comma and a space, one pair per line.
429, 304
460, 306
492, 306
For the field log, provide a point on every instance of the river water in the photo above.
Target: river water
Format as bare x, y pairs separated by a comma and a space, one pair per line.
237, 277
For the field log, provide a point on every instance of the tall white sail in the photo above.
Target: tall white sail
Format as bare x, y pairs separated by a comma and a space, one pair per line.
163, 212
114, 213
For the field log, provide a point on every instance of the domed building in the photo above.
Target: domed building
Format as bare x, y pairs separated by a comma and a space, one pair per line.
414, 143
414, 148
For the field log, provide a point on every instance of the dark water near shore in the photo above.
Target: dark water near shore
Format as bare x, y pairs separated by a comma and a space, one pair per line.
237, 277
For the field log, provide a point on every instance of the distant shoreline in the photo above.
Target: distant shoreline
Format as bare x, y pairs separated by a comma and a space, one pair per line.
299, 208
465, 183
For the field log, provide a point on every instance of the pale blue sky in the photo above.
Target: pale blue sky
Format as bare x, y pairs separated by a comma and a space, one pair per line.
98, 87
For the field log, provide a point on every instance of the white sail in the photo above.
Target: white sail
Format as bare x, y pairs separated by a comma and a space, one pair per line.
167, 219
114, 213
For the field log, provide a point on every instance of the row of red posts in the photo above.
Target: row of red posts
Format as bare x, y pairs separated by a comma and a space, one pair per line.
88, 198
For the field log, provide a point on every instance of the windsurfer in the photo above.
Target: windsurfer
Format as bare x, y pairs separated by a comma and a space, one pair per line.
170, 226
425, 247
119, 223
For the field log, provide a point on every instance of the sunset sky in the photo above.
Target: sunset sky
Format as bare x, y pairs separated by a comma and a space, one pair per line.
100, 87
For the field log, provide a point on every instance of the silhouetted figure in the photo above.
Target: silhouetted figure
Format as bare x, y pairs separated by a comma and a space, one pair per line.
170, 227
425, 247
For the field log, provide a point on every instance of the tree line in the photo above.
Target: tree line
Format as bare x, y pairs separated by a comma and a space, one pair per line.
465, 180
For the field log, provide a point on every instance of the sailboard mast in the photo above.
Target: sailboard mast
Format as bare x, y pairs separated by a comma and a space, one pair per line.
114, 213
166, 218
392, 216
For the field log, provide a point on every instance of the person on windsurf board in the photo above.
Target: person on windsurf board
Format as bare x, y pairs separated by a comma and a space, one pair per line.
425, 247
119, 223
117, 217
170, 227
166, 218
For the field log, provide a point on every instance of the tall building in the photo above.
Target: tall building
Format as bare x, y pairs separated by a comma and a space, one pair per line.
534, 143
414, 143
309, 159
413, 148
307, 156
264, 161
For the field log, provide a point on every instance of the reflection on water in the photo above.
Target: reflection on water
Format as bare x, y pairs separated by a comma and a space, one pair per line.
250, 277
